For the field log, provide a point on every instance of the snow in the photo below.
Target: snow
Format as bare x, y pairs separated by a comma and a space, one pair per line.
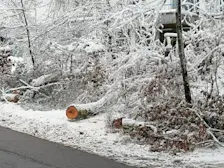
91, 135
170, 34
90, 46
167, 11
39, 81
15, 60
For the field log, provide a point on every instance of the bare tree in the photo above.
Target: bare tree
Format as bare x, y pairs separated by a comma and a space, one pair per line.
28, 33
181, 53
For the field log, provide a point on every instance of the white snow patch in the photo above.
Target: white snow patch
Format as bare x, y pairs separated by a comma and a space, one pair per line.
39, 81
6, 48
15, 60
91, 135
90, 46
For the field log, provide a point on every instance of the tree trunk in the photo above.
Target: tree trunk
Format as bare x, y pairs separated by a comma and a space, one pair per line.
109, 36
28, 34
183, 61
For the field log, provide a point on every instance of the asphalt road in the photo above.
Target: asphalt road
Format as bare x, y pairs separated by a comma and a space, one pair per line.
19, 150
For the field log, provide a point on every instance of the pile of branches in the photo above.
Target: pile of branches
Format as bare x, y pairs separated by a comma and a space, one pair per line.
170, 124
26, 91
181, 127
166, 122
176, 126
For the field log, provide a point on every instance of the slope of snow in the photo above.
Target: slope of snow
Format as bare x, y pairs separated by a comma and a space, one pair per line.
91, 135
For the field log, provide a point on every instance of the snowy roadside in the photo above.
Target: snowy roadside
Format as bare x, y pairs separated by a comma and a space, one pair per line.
90, 135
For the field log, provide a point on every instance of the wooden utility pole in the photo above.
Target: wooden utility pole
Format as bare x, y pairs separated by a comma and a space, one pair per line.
181, 54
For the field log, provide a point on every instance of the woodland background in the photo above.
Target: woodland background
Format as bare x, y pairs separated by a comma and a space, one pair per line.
59, 52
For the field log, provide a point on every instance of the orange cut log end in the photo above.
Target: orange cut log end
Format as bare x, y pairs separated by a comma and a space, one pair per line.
72, 112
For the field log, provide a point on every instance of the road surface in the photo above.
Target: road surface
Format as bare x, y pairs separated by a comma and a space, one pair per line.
18, 150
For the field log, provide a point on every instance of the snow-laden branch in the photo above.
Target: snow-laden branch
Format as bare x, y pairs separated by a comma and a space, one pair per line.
207, 56
209, 129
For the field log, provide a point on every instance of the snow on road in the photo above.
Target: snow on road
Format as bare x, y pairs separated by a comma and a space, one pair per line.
91, 135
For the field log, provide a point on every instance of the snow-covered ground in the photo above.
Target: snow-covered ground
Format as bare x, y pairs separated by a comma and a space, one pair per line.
91, 135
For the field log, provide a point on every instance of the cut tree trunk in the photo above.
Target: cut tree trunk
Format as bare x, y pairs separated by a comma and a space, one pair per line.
10, 97
73, 113
93, 108
130, 123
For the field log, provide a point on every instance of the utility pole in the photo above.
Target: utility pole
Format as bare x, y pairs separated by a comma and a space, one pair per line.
181, 54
